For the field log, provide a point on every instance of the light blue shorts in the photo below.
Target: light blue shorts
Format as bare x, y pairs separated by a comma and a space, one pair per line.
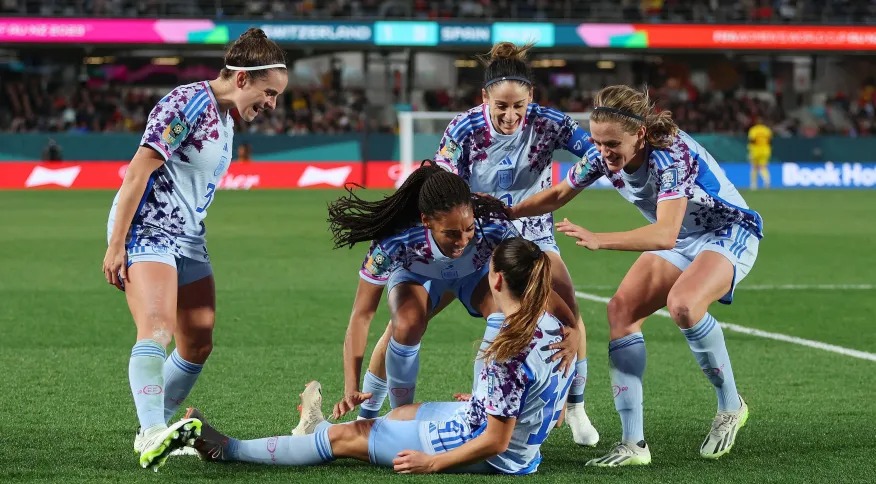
735, 243
546, 244
389, 437
438, 411
187, 270
463, 287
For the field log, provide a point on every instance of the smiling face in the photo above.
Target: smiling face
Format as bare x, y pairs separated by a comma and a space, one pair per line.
256, 94
452, 230
508, 101
619, 148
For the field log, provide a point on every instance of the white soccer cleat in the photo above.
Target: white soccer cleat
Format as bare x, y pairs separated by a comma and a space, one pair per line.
722, 435
583, 432
139, 440
157, 443
310, 408
624, 454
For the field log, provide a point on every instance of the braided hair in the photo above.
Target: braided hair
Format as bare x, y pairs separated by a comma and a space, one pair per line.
428, 190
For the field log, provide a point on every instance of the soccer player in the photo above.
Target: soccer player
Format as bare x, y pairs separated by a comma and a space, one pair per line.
760, 138
157, 249
428, 238
517, 401
700, 242
504, 148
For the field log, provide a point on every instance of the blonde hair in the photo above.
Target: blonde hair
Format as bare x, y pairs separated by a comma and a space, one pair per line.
633, 109
526, 270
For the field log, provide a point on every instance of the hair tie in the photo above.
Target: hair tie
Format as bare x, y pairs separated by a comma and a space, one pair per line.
620, 113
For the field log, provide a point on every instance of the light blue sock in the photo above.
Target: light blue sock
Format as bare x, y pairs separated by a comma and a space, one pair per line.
627, 365
377, 387
284, 450
494, 324
706, 341
402, 366
179, 378
147, 382
576, 390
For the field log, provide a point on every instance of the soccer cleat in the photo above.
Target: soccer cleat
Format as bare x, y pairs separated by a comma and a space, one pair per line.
158, 442
211, 444
722, 436
583, 432
139, 440
624, 454
310, 409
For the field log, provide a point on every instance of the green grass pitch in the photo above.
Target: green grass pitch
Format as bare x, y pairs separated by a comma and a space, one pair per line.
284, 297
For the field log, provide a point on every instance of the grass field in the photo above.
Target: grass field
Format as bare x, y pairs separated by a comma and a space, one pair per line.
284, 297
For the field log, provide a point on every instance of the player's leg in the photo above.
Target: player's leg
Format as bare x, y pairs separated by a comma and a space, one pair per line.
752, 173
642, 292
196, 316
583, 431
375, 378
765, 171
712, 276
409, 303
151, 290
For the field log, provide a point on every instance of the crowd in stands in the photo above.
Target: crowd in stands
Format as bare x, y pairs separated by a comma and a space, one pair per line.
742, 11
35, 104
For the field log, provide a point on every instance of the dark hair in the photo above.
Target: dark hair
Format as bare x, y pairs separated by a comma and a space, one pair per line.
428, 190
253, 48
507, 60
632, 109
526, 270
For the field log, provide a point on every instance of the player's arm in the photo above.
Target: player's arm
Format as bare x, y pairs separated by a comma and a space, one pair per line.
142, 165
491, 442
661, 235
364, 307
544, 202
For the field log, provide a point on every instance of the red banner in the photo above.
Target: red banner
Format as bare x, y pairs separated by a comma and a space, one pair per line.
241, 176
801, 37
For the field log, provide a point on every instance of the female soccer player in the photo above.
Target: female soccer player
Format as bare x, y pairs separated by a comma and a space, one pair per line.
517, 401
428, 238
701, 241
505, 148
157, 250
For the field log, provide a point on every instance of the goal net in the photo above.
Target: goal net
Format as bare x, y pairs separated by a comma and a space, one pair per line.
420, 133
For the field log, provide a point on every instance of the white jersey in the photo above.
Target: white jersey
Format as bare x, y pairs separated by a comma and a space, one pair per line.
526, 387
511, 167
684, 169
195, 139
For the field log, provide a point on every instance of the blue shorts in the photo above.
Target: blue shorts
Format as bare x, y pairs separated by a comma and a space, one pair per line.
187, 270
463, 287
389, 437
735, 243
438, 411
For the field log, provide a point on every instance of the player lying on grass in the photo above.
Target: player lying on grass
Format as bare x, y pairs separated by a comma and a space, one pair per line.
517, 401
701, 241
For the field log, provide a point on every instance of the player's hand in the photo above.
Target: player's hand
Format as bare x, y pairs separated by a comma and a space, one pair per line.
462, 397
585, 237
413, 462
349, 403
567, 349
115, 266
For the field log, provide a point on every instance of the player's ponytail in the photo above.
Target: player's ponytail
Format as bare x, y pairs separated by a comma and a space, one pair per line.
633, 109
506, 61
526, 270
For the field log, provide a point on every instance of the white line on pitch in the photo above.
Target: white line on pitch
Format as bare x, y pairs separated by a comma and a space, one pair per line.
774, 287
762, 334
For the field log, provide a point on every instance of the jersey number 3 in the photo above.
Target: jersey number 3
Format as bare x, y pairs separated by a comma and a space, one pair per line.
211, 188
551, 414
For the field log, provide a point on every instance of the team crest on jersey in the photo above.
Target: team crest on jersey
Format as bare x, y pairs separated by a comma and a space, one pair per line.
175, 132
378, 262
505, 178
669, 180
221, 167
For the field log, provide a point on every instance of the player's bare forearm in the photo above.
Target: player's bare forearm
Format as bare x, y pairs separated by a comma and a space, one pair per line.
364, 307
544, 202
660, 235
491, 442
144, 163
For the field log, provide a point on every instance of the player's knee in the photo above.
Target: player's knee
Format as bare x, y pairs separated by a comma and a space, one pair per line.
620, 312
199, 351
681, 309
408, 331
